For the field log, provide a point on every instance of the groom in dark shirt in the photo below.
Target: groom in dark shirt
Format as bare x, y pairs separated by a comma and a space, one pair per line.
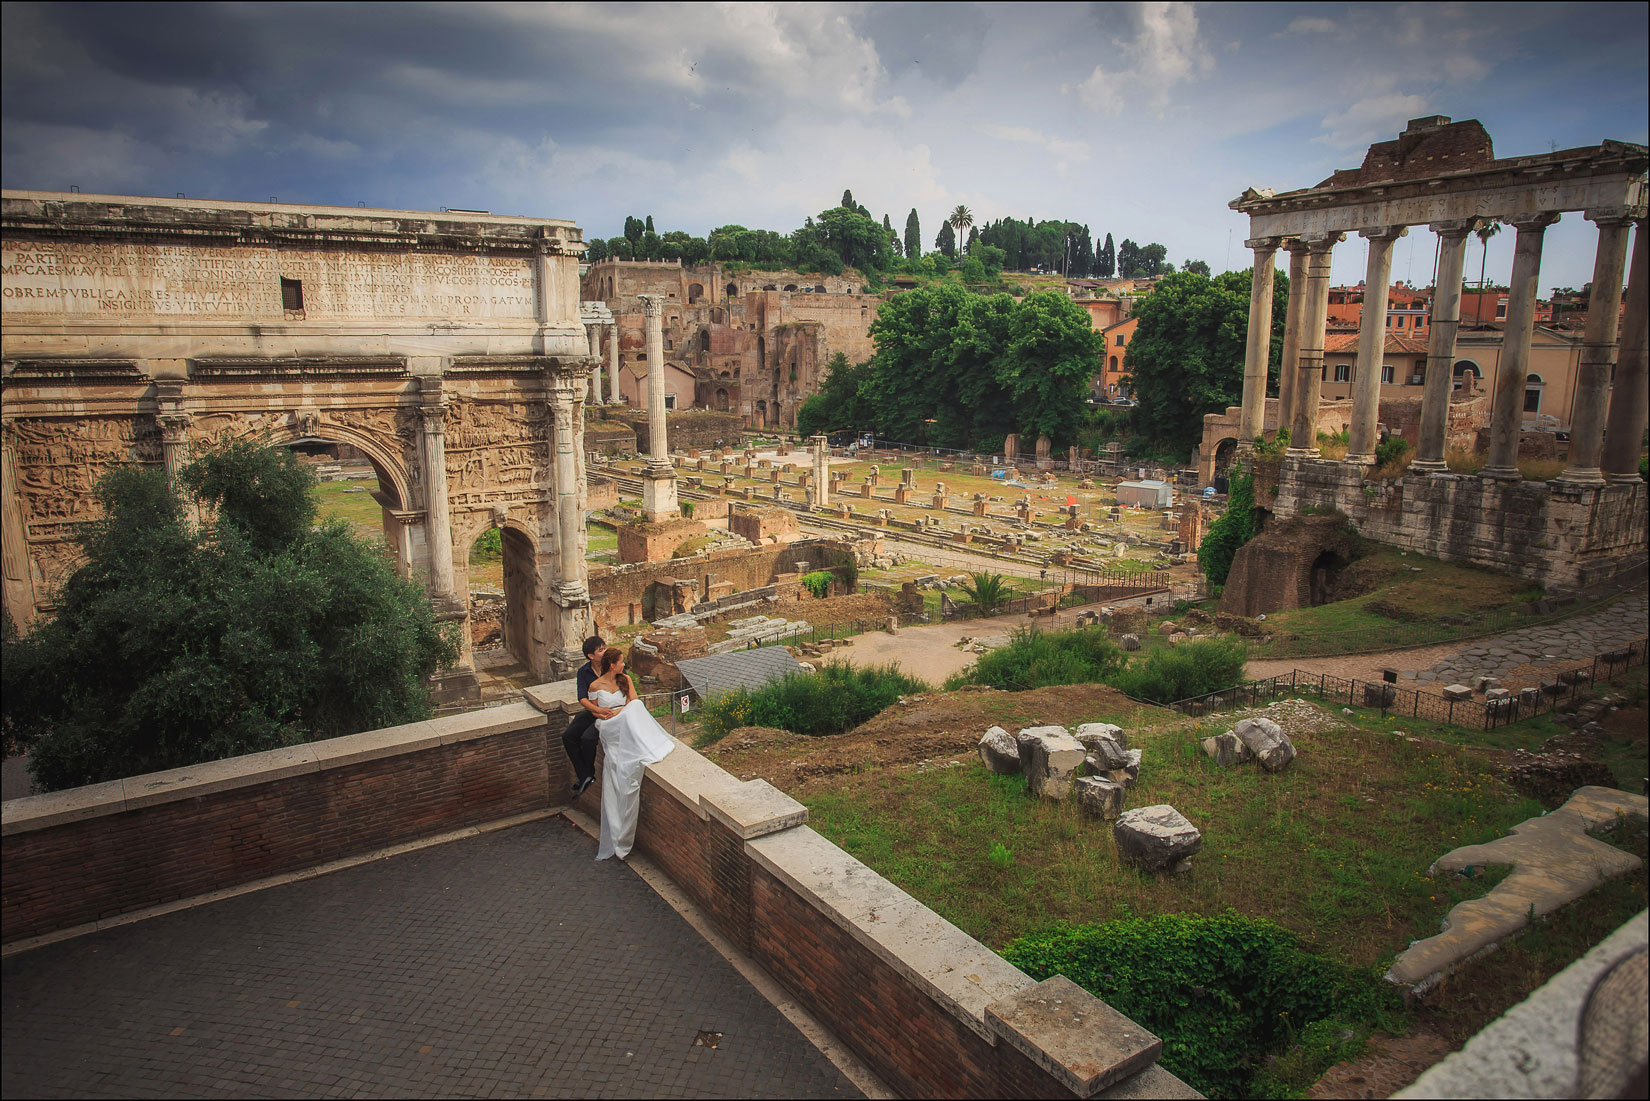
580, 739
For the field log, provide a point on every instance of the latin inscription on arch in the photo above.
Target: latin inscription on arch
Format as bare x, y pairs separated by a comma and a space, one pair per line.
130, 280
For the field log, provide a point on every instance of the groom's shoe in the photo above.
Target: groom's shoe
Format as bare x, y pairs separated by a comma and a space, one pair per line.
580, 787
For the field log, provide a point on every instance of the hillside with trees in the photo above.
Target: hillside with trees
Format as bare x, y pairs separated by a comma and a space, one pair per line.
848, 235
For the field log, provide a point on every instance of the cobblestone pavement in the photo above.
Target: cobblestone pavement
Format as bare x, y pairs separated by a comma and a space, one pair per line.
1520, 657
505, 965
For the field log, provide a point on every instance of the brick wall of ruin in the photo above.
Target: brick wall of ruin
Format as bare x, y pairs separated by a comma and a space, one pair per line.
745, 569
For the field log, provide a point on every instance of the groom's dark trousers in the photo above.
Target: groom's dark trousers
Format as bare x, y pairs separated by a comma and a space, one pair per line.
580, 738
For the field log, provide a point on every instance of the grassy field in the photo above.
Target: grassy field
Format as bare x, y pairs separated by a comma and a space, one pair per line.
1335, 849
1400, 600
352, 501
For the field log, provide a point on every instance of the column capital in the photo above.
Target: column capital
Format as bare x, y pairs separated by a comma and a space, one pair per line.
1457, 228
434, 415
174, 426
1294, 244
1384, 233
1532, 223
1322, 242
650, 304
1613, 215
1263, 244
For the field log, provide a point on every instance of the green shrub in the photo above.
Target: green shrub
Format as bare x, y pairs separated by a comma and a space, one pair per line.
1235, 528
1181, 672
1390, 450
836, 699
818, 583
987, 591
1224, 993
488, 547
1038, 659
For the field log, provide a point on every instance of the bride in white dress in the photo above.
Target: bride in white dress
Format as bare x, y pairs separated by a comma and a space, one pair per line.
631, 740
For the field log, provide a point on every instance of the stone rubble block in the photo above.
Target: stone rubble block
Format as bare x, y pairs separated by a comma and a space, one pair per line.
1104, 744
1155, 839
1130, 770
1050, 758
1267, 741
1457, 692
1227, 749
1130, 642
999, 752
1486, 684
1529, 697
1100, 797
1491, 695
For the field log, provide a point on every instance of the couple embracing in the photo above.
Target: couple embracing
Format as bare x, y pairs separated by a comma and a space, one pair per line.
631, 739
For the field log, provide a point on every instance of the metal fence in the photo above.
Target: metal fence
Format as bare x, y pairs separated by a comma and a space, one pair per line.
1389, 698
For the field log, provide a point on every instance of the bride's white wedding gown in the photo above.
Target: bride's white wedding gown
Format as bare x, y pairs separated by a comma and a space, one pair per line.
631, 740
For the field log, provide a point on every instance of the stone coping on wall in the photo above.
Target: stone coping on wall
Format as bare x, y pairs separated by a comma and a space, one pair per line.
38, 812
1073, 1037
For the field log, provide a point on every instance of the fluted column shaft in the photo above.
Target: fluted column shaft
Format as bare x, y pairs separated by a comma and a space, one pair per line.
1366, 381
571, 597
822, 471
1297, 250
1303, 432
1445, 322
1507, 419
438, 530
1630, 394
593, 334
1252, 419
613, 363
658, 446
1598, 351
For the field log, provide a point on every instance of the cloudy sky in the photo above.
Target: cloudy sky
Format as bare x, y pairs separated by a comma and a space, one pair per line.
1142, 120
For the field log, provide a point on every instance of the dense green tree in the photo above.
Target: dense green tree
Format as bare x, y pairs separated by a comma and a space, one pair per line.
652, 247
175, 644
1186, 357
596, 250
956, 369
633, 230
648, 226
946, 241
913, 235
888, 228
619, 248
1196, 267
1106, 262
837, 406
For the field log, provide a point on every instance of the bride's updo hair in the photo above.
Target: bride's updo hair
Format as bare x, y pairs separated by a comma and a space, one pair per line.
610, 658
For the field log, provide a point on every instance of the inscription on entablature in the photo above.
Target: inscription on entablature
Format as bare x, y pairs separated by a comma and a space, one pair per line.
85, 278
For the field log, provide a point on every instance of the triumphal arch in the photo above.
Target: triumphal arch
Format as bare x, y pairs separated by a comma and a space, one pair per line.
447, 348
1584, 528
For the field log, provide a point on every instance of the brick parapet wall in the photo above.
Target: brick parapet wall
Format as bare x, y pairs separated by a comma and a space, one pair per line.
920, 1001
1559, 536
93, 853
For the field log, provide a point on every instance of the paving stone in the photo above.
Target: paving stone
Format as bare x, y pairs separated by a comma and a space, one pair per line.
510, 964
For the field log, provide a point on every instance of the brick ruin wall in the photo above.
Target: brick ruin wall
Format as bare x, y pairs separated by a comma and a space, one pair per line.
635, 583
1273, 571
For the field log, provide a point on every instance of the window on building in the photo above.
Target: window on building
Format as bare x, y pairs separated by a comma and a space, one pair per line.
670, 401
641, 357
1501, 310
1386, 372
1343, 372
292, 294
1120, 340
1532, 394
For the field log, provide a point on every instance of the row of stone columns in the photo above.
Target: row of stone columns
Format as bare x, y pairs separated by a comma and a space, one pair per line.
593, 334
1301, 378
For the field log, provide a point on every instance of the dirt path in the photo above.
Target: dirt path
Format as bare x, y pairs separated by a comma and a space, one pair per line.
931, 652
